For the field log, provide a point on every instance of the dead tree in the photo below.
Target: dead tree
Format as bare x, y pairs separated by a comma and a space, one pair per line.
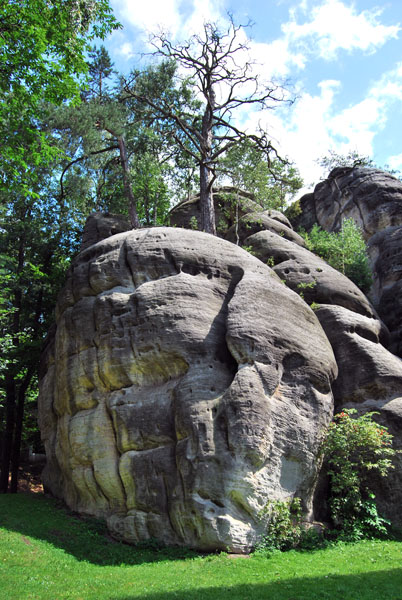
216, 65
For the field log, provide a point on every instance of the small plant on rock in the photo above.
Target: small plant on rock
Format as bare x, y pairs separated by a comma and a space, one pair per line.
305, 286
284, 529
345, 251
355, 449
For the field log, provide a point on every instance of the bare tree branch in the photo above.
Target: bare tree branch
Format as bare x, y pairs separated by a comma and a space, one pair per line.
80, 159
220, 70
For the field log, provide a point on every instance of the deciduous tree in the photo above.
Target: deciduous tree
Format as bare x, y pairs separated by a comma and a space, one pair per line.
42, 58
272, 185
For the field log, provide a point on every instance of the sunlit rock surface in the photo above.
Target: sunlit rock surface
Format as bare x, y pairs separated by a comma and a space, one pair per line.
184, 386
373, 199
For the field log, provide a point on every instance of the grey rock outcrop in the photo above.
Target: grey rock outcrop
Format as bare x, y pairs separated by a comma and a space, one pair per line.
230, 204
100, 226
370, 376
367, 354
370, 379
307, 274
373, 199
184, 386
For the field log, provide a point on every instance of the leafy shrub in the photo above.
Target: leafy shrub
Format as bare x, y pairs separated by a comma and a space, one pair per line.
283, 530
293, 210
355, 448
345, 251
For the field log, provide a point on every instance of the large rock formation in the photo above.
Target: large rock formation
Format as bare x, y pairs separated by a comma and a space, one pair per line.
185, 386
373, 199
370, 376
188, 382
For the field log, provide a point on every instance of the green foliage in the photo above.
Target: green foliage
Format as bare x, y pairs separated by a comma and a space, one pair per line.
356, 449
272, 183
150, 189
100, 69
283, 529
305, 285
345, 251
194, 223
293, 210
42, 59
37, 236
88, 137
249, 249
351, 159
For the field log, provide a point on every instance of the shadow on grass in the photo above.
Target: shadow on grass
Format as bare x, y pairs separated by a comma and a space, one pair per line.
48, 519
381, 585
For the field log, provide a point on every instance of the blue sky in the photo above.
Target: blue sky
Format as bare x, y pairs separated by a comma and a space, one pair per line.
342, 57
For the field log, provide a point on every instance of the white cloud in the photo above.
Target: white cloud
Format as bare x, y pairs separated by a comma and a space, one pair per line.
315, 125
317, 28
180, 18
276, 58
149, 14
203, 11
322, 31
306, 133
337, 26
127, 50
395, 162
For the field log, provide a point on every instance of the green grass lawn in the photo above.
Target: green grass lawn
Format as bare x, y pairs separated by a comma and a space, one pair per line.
48, 553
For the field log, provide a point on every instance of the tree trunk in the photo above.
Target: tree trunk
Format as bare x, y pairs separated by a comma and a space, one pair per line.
206, 201
19, 420
155, 215
8, 433
132, 209
206, 177
10, 385
128, 190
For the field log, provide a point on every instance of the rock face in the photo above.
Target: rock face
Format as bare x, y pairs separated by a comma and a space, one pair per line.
100, 226
374, 200
184, 386
370, 376
370, 379
188, 382
367, 354
229, 203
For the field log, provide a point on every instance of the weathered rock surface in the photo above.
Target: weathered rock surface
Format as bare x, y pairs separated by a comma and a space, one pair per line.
370, 379
230, 204
307, 274
370, 376
385, 249
373, 199
184, 386
100, 226
267, 220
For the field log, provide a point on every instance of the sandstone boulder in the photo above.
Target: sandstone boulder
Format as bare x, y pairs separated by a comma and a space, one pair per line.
230, 204
267, 220
370, 376
385, 249
373, 199
100, 226
183, 387
370, 379
307, 274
